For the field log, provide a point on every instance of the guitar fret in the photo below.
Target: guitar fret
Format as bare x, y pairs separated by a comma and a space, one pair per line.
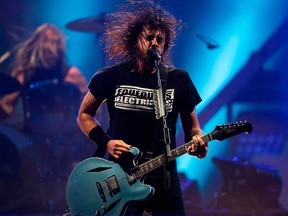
149, 165
160, 160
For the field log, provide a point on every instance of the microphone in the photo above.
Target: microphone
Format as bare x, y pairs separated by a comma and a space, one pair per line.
154, 54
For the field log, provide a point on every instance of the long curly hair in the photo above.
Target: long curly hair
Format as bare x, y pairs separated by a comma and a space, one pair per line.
45, 49
123, 29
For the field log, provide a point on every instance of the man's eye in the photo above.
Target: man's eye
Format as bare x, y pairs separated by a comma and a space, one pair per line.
150, 37
159, 40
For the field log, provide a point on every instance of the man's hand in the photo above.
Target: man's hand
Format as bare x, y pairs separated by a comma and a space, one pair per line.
198, 147
117, 147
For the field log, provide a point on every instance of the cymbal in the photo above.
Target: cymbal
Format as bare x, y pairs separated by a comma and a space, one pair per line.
8, 84
89, 24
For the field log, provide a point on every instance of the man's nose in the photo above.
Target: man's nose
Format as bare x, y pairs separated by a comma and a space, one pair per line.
155, 42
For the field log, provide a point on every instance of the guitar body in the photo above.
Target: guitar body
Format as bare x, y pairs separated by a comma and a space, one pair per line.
100, 187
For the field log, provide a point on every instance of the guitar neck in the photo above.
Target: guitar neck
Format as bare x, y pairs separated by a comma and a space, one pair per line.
159, 161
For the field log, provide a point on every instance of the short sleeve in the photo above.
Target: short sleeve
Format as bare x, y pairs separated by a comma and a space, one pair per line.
97, 84
190, 97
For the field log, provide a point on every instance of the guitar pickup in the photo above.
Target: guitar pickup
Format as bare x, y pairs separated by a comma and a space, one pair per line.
113, 183
108, 188
100, 191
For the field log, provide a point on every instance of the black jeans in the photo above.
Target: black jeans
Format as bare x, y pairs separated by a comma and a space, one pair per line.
163, 202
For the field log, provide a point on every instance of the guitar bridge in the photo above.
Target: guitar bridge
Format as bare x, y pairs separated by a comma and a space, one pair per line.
131, 178
108, 188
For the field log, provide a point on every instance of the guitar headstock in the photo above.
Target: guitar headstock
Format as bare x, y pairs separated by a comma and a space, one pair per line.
228, 130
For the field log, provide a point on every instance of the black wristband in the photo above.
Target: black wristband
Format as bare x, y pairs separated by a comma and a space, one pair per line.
99, 136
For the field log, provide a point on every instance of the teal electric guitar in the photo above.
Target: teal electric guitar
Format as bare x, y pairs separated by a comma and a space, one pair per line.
100, 187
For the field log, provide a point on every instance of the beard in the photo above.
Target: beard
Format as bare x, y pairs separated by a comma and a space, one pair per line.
144, 57
147, 57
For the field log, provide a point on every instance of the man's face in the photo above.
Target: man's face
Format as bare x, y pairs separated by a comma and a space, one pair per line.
149, 39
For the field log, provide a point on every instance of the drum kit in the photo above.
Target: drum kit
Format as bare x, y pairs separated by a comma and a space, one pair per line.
9, 84
89, 24
42, 118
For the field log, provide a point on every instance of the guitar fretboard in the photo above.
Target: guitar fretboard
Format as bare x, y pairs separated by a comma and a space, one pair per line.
159, 161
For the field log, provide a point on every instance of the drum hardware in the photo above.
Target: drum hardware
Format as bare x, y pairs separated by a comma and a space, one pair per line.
8, 84
90, 24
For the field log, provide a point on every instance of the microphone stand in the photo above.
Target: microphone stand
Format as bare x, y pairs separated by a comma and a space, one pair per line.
166, 134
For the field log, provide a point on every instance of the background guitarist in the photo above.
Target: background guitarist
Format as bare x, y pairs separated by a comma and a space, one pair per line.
135, 37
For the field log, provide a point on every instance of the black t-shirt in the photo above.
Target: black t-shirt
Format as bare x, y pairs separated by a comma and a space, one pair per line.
131, 106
